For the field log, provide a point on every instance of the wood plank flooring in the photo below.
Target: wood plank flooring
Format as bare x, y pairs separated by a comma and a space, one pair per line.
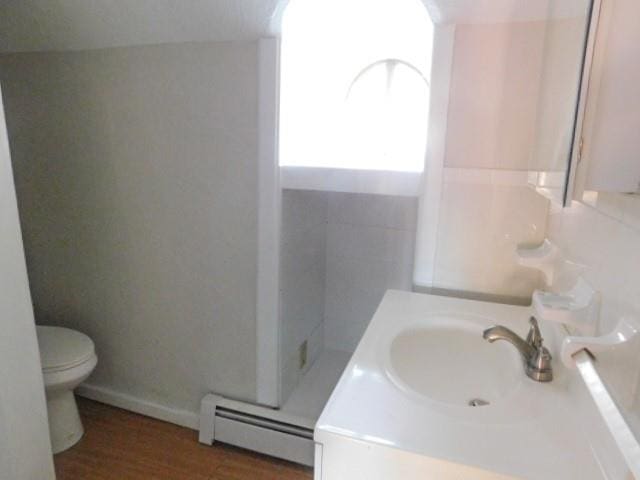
125, 446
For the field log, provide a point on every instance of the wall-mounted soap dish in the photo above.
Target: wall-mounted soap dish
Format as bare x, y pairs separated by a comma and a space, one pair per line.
578, 308
626, 330
541, 258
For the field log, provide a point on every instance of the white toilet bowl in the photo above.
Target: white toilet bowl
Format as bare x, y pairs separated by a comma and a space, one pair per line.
68, 358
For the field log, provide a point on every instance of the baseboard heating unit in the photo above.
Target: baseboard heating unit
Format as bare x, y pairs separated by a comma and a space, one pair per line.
260, 429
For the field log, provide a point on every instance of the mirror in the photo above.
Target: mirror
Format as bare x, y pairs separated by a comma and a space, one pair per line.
560, 81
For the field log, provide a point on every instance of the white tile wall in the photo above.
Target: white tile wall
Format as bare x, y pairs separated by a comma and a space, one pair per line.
302, 281
370, 248
607, 248
340, 253
484, 216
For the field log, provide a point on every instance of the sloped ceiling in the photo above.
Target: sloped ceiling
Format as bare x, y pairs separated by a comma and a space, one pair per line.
27, 25
35, 25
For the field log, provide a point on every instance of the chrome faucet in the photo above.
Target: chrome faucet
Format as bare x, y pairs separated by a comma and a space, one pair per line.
536, 357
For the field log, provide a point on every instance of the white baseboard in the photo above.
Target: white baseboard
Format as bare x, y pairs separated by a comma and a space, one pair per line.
184, 418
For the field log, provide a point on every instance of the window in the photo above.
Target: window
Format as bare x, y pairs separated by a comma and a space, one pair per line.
354, 84
385, 120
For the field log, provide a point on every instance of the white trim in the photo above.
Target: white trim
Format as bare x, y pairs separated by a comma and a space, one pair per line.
405, 184
269, 199
317, 462
429, 209
177, 416
275, 24
207, 423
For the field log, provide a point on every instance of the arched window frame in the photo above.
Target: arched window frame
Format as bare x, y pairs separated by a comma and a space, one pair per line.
371, 139
391, 64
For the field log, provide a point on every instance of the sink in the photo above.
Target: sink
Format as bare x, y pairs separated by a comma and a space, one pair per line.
401, 408
447, 361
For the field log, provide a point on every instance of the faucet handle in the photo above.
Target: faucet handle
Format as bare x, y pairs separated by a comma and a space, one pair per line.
534, 337
539, 366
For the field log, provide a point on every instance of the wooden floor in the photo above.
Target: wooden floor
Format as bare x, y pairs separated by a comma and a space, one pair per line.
122, 445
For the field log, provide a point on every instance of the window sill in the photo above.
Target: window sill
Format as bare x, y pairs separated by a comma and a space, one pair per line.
405, 184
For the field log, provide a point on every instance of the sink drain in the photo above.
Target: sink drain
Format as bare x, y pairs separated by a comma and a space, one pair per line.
477, 402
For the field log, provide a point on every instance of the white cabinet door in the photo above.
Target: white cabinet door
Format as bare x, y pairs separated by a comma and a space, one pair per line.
612, 119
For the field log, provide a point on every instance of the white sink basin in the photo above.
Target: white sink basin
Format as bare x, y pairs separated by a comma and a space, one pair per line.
401, 408
448, 361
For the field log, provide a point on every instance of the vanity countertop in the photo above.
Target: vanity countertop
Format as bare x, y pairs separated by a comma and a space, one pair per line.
531, 432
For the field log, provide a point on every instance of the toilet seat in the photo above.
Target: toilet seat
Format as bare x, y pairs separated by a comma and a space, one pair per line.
63, 349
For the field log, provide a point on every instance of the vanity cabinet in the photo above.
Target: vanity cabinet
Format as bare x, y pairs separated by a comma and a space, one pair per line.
611, 129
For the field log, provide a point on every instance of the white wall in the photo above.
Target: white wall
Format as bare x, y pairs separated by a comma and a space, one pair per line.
302, 282
604, 244
486, 209
340, 253
494, 94
25, 451
484, 216
485, 206
137, 182
513, 93
370, 249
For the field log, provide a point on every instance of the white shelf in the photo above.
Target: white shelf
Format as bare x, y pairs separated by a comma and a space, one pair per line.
405, 184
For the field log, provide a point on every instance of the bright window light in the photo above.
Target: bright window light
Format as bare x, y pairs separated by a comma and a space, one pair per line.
355, 84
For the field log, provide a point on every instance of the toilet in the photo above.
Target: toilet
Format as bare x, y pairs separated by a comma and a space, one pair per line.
68, 358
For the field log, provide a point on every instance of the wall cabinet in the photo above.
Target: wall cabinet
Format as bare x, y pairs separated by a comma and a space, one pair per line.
611, 129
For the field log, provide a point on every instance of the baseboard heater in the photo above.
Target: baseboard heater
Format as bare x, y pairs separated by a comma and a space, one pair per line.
256, 428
